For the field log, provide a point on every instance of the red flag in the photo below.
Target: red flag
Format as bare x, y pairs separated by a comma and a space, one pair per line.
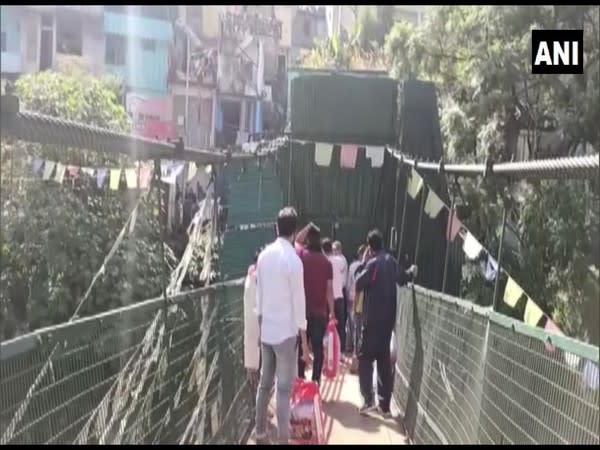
454, 225
551, 327
348, 155
73, 171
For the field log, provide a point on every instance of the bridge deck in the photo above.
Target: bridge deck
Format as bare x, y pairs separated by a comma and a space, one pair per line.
343, 424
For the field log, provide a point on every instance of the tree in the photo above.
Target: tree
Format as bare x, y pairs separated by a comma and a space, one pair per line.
479, 57
56, 236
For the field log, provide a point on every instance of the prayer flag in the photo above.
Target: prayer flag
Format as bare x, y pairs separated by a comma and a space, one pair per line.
88, 171
512, 292
590, 375
192, 170
533, 313
37, 167
348, 155
433, 204
145, 177
115, 179
491, 269
101, 177
471, 246
415, 183
323, 154
73, 171
131, 178
60, 173
551, 327
48, 169
376, 155
454, 225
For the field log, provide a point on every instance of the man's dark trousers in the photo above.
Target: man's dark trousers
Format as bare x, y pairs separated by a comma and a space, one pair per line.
375, 347
315, 329
339, 307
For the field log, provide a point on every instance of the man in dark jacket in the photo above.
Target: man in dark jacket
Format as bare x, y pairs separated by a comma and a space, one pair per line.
377, 277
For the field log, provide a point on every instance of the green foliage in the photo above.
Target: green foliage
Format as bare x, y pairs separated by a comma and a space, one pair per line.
479, 57
56, 236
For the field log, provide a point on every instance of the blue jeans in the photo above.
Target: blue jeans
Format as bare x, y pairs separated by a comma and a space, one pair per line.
277, 360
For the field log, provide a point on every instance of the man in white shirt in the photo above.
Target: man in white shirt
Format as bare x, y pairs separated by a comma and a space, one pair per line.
281, 311
339, 280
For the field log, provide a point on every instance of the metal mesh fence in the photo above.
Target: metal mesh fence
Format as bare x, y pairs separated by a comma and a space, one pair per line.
468, 375
161, 371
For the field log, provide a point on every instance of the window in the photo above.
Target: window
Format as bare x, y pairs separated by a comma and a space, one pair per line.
3, 41
149, 45
306, 27
68, 33
116, 50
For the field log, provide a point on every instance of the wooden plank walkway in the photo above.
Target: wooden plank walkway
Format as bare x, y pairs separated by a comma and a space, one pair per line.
343, 423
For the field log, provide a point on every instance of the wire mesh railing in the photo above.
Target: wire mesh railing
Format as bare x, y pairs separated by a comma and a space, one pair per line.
468, 375
167, 370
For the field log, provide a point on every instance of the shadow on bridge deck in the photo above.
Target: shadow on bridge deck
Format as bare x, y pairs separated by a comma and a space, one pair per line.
343, 424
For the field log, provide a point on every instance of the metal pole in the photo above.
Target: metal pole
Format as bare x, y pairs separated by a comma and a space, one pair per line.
290, 176
500, 246
393, 233
187, 87
400, 242
423, 191
447, 255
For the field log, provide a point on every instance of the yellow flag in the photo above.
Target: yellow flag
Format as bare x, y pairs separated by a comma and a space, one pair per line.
415, 183
323, 154
533, 313
512, 292
433, 204
60, 173
115, 178
131, 178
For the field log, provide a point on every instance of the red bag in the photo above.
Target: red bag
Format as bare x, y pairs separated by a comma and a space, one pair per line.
331, 351
306, 418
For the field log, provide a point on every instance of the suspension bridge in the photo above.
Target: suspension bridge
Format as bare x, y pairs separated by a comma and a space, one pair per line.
170, 369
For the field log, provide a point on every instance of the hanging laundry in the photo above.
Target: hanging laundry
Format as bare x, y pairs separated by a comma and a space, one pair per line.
101, 177
533, 313
551, 327
131, 178
414, 183
173, 173
471, 246
512, 292
88, 171
60, 173
204, 177
145, 177
37, 167
323, 154
376, 155
348, 155
433, 205
454, 225
192, 170
73, 171
590, 375
491, 269
48, 169
115, 179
